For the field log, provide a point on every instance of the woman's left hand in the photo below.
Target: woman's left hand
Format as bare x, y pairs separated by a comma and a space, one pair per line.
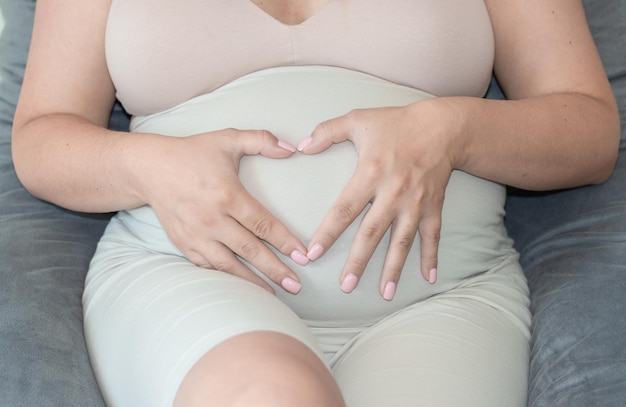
404, 165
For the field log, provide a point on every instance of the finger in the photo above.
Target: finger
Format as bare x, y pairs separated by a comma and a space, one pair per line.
250, 248
371, 231
430, 233
218, 257
252, 215
403, 232
327, 133
254, 142
350, 203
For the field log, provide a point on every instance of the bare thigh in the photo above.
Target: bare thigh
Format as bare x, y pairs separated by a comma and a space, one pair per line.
261, 369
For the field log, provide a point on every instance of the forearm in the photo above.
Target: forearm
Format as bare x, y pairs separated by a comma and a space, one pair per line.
542, 143
80, 166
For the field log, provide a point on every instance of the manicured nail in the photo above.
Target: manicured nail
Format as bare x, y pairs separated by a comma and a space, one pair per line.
286, 145
349, 283
291, 285
432, 276
390, 291
304, 143
299, 257
315, 252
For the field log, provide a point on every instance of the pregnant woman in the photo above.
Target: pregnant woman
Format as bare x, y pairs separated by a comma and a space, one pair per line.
310, 198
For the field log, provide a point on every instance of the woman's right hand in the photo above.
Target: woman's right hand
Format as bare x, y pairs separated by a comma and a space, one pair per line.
211, 218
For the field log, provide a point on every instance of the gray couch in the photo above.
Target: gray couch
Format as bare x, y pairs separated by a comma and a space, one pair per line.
573, 246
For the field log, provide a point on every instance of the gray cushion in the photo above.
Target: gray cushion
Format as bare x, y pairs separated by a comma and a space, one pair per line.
44, 252
573, 246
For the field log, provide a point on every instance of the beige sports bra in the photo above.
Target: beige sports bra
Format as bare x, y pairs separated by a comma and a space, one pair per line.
163, 52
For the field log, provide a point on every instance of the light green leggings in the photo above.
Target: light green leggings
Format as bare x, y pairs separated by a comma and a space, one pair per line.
150, 314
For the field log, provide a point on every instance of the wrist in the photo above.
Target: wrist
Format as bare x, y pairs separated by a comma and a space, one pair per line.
144, 161
449, 119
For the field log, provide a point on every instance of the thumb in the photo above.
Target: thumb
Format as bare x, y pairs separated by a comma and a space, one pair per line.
326, 133
255, 142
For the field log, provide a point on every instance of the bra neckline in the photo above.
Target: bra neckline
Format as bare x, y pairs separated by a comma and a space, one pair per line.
267, 15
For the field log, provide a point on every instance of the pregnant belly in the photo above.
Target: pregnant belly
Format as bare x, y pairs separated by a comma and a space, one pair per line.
299, 190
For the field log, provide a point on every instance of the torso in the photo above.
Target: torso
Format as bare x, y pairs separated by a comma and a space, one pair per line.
255, 71
289, 102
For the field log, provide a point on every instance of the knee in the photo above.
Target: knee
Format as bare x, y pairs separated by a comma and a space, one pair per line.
259, 369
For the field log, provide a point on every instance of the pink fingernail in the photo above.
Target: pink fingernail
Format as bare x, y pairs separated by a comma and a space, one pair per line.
291, 285
390, 291
304, 143
299, 257
315, 252
286, 145
349, 283
432, 276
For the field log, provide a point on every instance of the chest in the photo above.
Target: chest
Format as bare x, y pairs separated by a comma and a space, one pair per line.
290, 12
163, 52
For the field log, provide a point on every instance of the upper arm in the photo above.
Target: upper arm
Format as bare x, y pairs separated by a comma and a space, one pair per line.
66, 70
545, 47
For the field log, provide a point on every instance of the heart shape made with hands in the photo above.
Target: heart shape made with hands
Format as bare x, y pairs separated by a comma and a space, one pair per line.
289, 102
299, 190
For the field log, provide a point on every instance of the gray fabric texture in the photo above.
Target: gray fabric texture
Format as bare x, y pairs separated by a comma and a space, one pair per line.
573, 246
44, 252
